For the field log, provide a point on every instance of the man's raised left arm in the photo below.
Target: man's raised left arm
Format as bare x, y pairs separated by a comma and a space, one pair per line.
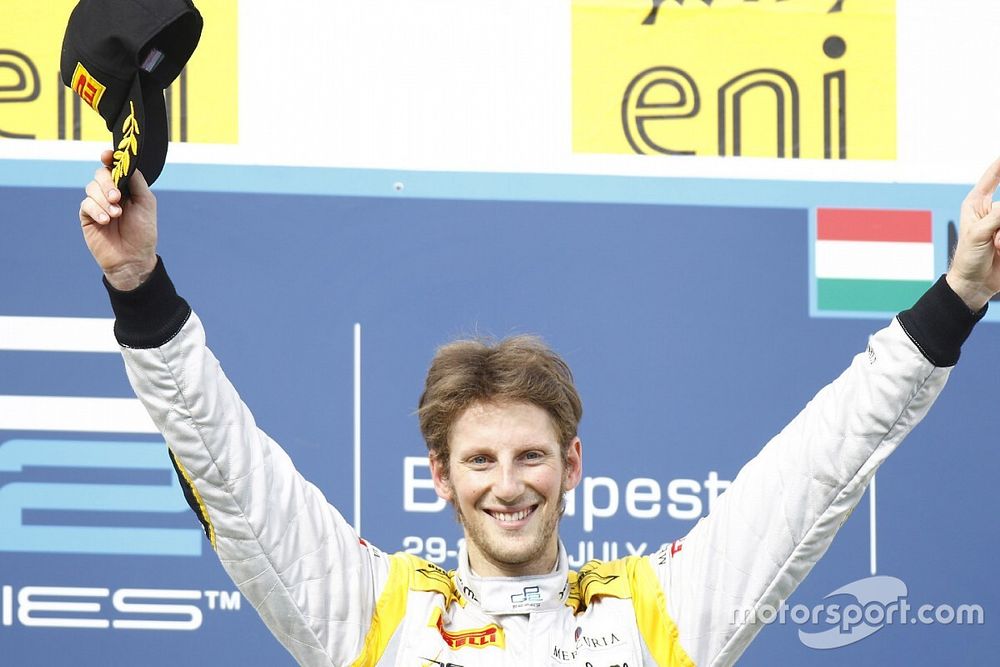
785, 506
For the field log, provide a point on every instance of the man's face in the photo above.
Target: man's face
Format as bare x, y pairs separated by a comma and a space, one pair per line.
506, 478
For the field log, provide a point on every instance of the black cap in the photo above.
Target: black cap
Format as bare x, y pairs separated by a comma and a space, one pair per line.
119, 55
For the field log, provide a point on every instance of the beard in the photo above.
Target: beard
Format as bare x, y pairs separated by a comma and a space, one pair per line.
514, 550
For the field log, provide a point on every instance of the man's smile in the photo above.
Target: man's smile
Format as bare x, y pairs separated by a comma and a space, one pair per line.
512, 518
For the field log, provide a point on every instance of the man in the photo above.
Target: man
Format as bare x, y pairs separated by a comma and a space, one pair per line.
500, 423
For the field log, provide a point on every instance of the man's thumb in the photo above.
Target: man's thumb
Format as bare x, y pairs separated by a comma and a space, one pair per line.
138, 188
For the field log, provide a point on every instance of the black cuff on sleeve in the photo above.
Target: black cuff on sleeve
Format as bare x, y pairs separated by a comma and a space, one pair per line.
151, 314
939, 322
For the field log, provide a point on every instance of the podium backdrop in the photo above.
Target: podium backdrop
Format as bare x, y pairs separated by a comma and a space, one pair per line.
691, 311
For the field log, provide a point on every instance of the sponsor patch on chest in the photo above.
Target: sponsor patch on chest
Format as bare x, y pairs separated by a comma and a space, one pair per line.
588, 644
488, 635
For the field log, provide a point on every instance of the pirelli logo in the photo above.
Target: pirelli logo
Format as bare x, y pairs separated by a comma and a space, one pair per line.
763, 78
491, 635
87, 87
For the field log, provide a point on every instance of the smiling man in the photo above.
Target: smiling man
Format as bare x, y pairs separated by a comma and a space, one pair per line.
500, 421
506, 483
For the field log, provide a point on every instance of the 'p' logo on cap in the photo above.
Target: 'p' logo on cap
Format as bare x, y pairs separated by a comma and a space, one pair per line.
87, 87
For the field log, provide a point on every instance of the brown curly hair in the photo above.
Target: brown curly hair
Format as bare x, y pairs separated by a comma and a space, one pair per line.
519, 368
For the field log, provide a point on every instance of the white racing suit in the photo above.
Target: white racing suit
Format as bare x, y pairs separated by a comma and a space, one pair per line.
332, 599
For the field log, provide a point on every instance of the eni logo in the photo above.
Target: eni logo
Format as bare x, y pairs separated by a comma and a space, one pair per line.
87, 87
797, 79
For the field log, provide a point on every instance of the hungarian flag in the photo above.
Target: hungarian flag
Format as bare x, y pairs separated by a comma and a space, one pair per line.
872, 260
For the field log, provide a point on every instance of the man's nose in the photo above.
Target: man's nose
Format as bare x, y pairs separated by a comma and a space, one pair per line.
508, 486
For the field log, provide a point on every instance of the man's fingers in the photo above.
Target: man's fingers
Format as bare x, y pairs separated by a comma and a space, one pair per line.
99, 194
96, 192
103, 177
984, 228
991, 220
108, 157
92, 212
987, 184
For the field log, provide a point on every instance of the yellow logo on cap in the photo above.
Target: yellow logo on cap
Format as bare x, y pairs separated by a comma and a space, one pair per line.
87, 87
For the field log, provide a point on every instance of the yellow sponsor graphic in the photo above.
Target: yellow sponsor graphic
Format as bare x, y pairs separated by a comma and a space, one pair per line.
34, 103
87, 87
763, 78
490, 635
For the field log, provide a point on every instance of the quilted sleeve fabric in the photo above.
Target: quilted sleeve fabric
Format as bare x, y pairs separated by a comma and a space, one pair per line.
785, 506
313, 582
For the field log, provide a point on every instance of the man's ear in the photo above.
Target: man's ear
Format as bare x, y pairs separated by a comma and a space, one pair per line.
574, 465
439, 474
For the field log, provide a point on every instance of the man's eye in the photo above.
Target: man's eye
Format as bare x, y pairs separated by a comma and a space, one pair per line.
478, 460
531, 456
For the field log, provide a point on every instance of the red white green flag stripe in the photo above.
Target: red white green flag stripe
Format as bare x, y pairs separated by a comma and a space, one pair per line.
872, 260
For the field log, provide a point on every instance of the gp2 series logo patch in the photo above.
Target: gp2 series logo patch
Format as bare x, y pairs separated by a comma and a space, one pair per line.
531, 596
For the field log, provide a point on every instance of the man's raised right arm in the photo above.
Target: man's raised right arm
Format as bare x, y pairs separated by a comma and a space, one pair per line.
314, 583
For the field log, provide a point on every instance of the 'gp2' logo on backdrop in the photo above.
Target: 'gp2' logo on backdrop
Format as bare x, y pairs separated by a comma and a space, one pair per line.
41, 509
802, 79
98, 490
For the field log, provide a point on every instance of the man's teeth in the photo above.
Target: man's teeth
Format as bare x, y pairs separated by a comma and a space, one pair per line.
516, 516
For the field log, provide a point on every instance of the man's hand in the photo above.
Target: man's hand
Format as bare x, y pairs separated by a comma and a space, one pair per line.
122, 238
975, 269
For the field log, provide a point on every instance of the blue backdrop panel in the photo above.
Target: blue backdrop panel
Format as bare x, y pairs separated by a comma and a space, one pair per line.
687, 325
